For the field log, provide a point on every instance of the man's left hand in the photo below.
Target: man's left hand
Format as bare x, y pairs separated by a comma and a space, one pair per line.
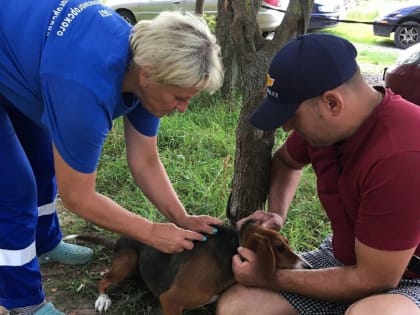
245, 270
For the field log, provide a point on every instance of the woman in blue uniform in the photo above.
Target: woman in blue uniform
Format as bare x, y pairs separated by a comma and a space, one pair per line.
68, 68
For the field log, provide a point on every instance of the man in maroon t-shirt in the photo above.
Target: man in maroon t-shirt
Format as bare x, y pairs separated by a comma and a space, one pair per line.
363, 145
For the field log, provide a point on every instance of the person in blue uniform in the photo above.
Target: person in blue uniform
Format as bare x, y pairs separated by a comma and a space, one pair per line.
68, 69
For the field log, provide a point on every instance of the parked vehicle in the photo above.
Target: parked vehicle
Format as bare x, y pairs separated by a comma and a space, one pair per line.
269, 17
325, 13
404, 23
403, 77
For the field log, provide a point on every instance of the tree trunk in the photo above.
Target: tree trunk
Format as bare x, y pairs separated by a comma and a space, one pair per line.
223, 25
199, 7
248, 54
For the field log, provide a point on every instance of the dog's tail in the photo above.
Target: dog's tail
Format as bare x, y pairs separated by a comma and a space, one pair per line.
91, 238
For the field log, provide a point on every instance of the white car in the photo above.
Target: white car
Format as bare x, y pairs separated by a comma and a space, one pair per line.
269, 17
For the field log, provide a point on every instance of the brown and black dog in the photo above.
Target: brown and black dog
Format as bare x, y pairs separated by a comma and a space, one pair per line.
196, 277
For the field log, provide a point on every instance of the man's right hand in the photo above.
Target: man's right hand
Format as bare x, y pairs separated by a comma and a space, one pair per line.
268, 220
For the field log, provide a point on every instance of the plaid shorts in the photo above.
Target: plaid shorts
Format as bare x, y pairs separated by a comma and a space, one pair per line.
323, 258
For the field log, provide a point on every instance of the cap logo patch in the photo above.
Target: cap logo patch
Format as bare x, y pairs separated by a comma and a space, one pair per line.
270, 83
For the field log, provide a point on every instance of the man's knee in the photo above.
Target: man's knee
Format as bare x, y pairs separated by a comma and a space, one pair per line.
384, 304
245, 300
230, 302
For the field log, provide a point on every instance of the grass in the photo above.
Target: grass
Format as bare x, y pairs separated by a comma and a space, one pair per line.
197, 149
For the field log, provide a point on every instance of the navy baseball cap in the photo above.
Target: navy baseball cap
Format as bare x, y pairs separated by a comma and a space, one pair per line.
304, 68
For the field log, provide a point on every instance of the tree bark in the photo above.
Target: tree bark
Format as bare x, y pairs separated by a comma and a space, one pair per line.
199, 7
247, 56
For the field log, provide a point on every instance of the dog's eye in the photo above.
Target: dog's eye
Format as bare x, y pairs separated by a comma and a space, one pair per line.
280, 247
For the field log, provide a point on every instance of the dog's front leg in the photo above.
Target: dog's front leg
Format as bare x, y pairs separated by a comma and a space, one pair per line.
169, 307
103, 303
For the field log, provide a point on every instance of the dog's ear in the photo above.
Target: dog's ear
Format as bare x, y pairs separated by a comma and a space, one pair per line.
266, 264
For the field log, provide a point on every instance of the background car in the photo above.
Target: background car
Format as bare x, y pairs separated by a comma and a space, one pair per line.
269, 17
404, 23
325, 13
403, 77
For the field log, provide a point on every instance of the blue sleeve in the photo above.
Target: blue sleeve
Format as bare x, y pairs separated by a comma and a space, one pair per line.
143, 121
77, 121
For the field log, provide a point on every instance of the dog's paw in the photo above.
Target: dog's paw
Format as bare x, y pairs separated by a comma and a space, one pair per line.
103, 303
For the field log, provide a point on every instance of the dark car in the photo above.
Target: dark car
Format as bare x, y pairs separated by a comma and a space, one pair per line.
325, 13
404, 23
403, 77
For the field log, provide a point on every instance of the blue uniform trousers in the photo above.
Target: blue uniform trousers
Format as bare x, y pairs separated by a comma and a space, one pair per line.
28, 222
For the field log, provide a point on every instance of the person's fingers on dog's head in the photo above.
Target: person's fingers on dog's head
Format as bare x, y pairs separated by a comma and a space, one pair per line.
209, 225
213, 221
237, 260
275, 222
202, 224
256, 216
188, 245
194, 236
245, 253
239, 223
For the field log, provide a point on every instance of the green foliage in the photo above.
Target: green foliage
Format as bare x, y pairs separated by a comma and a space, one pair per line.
365, 11
211, 21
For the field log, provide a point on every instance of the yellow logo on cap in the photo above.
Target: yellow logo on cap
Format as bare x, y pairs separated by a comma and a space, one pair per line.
269, 81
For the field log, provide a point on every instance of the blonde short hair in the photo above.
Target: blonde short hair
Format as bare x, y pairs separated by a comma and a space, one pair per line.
177, 49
